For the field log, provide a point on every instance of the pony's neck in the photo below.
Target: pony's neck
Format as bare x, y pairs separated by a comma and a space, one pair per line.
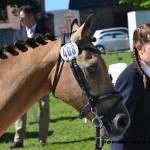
24, 79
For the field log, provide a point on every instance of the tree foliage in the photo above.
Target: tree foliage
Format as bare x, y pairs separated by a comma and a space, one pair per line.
143, 4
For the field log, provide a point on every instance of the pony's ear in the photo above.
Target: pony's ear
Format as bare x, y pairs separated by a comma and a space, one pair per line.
82, 31
74, 25
87, 25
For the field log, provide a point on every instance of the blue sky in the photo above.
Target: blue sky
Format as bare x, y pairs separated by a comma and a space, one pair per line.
56, 4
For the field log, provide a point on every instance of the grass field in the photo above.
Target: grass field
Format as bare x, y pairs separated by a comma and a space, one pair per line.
66, 131
120, 57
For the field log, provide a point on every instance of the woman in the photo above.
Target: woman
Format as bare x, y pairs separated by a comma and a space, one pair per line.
134, 86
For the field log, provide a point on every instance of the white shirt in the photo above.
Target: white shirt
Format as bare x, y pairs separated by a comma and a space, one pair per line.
146, 68
33, 29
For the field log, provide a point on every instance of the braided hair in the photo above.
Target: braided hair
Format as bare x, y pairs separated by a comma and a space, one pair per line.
141, 35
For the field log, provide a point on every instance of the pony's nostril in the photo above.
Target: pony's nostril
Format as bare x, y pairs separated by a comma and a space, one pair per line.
121, 121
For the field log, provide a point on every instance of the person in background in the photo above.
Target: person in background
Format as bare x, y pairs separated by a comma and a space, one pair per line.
30, 28
134, 86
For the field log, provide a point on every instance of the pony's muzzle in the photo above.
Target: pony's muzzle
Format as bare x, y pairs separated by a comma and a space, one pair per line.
121, 122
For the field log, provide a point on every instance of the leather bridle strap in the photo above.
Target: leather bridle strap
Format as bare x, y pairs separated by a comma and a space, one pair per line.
56, 77
78, 74
95, 50
101, 98
65, 39
92, 101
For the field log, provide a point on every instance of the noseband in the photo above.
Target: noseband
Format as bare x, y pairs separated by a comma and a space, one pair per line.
92, 101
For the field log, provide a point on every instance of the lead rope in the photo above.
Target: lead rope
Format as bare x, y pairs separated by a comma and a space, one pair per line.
98, 138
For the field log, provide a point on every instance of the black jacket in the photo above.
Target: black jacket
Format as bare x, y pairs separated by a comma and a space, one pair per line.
137, 100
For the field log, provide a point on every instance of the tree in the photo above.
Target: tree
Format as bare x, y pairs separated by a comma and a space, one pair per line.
141, 4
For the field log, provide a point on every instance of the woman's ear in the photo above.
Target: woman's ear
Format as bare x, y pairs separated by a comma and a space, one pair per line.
139, 46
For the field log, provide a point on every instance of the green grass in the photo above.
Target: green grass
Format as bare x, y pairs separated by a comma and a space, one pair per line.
66, 131
120, 57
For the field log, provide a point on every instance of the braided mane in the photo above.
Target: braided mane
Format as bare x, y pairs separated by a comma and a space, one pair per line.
23, 45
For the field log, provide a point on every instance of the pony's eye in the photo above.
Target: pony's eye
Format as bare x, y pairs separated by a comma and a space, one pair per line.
92, 69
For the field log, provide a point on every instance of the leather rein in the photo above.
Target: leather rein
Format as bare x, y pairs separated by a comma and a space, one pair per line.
92, 101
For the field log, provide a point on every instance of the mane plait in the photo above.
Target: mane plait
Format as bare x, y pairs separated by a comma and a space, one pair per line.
8, 48
22, 45
40, 40
31, 42
11, 49
139, 67
50, 37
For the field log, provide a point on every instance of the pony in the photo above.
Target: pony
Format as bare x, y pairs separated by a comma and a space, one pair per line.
76, 73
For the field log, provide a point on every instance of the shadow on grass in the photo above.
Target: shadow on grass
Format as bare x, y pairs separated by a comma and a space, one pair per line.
76, 141
9, 136
64, 118
59, 119
36, 134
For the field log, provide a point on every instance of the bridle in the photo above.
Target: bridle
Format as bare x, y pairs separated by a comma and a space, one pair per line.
92, 101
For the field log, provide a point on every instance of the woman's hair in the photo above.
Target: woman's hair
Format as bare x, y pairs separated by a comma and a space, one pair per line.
141, 35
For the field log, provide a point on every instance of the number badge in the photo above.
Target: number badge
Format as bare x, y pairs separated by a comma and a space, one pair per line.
69, 51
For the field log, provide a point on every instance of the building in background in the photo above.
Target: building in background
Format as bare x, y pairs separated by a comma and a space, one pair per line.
107, 13
63, 20
8, 25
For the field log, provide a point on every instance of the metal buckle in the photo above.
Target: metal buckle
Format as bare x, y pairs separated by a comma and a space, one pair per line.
99, 118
